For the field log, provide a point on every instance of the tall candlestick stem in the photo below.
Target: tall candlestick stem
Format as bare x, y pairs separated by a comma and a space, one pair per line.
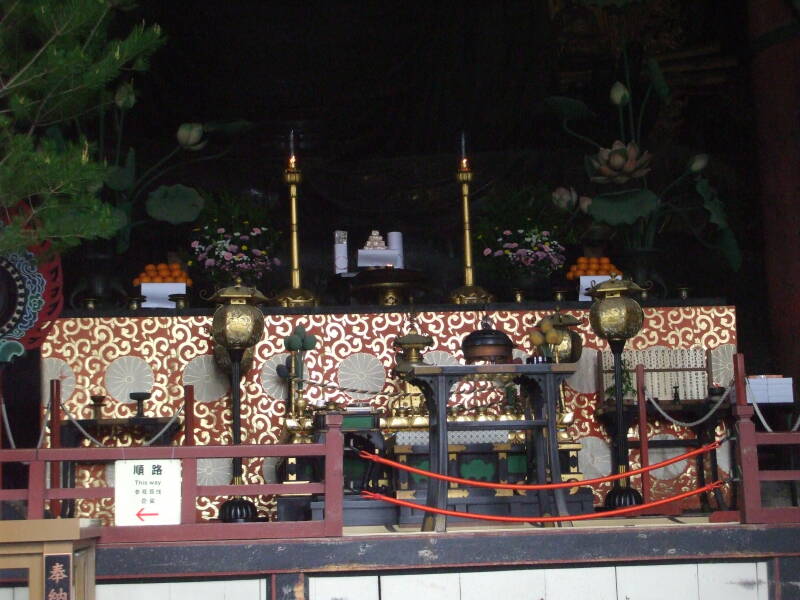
295, 245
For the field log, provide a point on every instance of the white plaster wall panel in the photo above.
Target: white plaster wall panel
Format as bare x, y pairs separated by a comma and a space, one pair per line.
133, 591
597, 583
192, 590
122, 591
21, 593
437, 586
523, 584
7, 593
729, 581
344, 588
657, 582
246, 589
235, 589
763, 580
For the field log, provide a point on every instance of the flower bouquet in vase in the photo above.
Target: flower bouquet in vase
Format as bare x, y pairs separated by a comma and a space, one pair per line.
225, 254
527, 258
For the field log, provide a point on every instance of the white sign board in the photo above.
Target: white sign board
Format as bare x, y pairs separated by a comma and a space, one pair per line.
147, 492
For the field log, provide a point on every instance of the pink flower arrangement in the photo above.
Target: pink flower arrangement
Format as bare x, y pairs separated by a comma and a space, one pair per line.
527, 251
226, 254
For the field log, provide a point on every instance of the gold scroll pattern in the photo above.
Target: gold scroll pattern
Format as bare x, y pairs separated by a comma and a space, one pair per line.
168, 344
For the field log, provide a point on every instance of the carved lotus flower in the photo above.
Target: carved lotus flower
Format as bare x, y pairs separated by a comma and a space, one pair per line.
618, 164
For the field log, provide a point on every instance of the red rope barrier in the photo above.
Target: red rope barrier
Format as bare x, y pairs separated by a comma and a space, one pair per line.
584, 517
538, 486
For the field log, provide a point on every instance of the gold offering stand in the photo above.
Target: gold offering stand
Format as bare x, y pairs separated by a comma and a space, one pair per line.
388, 285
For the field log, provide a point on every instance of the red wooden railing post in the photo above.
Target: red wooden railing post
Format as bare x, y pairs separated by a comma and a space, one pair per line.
334, 476
644, 451
188, 415
746, 447
188, 465
55, 441
36, 483
189, 490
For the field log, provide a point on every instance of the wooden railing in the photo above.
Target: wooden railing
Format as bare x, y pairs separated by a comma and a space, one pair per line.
37, 494
748, 441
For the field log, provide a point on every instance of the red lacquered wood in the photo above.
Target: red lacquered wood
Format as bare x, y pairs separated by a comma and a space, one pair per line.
55, 440
189, 490
334, 488
188, 415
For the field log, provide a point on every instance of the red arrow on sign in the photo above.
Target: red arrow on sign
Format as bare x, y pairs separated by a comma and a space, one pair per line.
142, 515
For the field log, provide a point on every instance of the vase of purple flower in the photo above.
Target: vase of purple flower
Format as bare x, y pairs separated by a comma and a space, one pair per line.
526, 258
223, 254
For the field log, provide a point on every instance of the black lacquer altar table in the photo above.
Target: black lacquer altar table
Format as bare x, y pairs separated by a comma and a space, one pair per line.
540, 385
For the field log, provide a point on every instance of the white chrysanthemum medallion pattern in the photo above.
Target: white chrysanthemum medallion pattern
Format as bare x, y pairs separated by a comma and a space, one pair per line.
55, 368
214, 471
362, 371
274, 385
126, 375
209, 381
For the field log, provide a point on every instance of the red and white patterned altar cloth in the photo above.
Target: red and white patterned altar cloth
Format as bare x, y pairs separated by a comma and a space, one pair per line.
114, 356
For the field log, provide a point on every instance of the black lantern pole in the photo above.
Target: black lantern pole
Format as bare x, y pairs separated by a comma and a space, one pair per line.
236, 355
620, 495
615, 316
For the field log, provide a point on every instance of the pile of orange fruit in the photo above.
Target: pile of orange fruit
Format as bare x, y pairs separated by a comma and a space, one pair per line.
163, 273
592, 265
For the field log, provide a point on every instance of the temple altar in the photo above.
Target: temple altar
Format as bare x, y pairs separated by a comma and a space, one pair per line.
161, 351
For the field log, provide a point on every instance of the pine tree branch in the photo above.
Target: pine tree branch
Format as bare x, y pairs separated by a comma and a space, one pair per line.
10, 10
96, 26
58, 32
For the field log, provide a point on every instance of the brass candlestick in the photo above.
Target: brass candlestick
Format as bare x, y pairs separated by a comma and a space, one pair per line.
469, 293
296, 295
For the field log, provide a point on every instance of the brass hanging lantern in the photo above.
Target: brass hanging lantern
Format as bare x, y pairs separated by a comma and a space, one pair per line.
615, 315
238, 323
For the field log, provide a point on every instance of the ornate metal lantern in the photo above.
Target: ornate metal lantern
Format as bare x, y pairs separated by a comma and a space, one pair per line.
616, 317
237, 325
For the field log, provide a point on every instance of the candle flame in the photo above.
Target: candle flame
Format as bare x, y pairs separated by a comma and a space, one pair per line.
464, 164
292, 162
